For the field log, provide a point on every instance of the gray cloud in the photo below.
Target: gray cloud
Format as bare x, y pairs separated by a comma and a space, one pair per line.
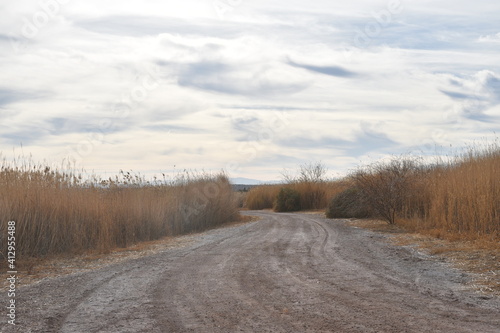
165, 128
38, 130
327, 70
225, 78
62, 125
28, 135
8, 96
248, 125
5, 38
484, 96
492, 86
366, 140
456, 95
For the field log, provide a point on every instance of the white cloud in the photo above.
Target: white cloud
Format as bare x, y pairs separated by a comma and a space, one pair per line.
490, 38
146, 85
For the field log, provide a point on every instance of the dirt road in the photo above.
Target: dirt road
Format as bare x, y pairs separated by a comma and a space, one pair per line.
283, 273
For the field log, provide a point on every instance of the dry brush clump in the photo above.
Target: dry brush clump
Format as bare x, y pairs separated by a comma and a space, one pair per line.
312, 195
348, 204
308, 185
288, 200
61, 212
460, 197
262, 197
387, 188
309, 181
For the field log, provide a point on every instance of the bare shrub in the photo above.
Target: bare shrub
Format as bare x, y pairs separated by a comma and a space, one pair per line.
459, 197
386, 187
348, 204
314, 172
309, 181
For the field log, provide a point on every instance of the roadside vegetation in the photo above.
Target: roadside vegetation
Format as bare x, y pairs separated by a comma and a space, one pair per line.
312, 196
60, 211
459, 197
308, 189
456, 198
262, 197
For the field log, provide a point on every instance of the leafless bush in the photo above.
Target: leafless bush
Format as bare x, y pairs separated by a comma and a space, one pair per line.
314, 172
386, 187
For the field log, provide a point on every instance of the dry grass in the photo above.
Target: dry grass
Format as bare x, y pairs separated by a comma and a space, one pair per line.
464, 196
477, 257
457, 199
60, 212
313, 195
262, 197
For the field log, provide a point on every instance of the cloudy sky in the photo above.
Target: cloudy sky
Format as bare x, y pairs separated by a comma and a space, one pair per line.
251, 87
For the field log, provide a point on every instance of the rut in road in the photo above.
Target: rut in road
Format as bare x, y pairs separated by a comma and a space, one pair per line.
283, 273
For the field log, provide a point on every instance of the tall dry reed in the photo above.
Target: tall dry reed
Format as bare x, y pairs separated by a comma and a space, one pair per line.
61, 212
262, 197
460, 196
464, 195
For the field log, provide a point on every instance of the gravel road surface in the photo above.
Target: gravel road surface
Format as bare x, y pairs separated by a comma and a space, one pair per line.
283, 273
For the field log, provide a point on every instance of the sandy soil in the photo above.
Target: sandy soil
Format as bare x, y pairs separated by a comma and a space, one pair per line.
283, 273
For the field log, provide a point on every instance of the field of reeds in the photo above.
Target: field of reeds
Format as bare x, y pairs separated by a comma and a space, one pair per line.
262, 197
457, 198
62, 212
461, 196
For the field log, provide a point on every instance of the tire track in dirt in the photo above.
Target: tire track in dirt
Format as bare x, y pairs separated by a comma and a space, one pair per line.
283, 273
